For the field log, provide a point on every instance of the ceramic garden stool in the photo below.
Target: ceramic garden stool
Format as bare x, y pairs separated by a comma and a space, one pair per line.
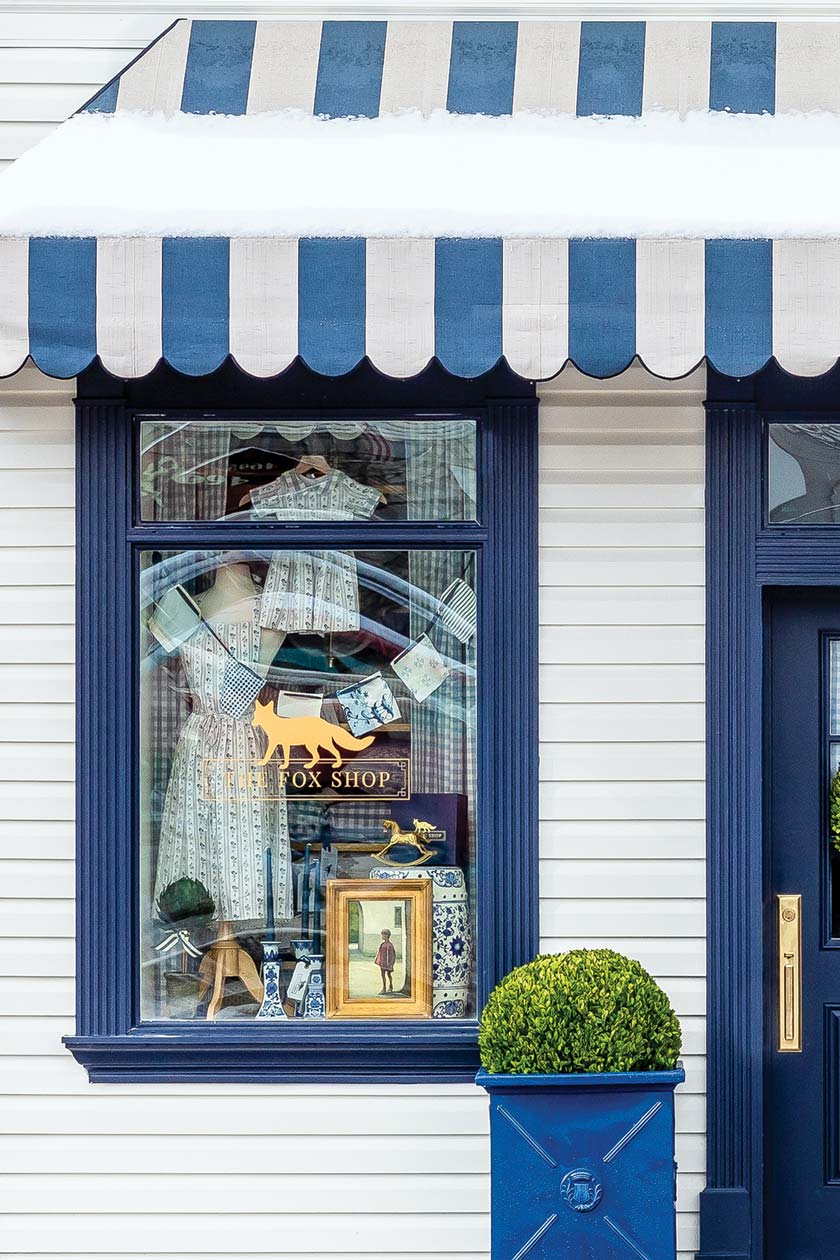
583, 1165
451, 935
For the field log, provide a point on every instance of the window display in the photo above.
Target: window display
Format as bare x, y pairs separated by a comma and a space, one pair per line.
308, 728
305, 470
803, 469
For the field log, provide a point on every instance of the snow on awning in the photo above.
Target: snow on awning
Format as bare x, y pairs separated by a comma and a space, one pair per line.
535, 191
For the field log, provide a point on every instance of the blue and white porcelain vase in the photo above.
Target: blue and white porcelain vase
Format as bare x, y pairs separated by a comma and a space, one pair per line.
272, 1003
452, 943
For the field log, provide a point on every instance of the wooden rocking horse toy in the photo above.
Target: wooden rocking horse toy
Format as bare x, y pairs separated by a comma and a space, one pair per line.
415, 839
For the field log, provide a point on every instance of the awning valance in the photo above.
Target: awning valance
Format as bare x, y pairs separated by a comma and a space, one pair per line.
136, 295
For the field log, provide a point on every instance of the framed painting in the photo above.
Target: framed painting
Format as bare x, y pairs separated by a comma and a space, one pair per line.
379, 949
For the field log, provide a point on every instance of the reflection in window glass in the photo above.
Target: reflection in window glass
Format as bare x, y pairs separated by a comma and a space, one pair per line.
305, 717
330, 470
804, 474
834, 790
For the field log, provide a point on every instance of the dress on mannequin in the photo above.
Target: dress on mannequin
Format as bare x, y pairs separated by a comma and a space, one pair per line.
218, 815
312, 592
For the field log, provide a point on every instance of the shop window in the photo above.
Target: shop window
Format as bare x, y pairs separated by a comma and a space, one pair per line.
803, 474
326, 740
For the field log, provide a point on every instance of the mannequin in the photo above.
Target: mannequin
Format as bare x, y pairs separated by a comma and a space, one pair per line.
222, 809
232, 598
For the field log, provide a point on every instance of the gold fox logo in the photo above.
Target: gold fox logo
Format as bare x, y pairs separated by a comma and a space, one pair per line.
311, 733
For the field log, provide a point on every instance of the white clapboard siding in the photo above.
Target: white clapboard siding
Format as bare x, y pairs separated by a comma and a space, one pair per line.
367, 1171
622, 727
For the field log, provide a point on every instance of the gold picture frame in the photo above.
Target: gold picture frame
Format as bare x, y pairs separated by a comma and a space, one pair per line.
396, 910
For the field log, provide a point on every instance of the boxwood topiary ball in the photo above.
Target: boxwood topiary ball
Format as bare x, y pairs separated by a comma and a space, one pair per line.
591, 1010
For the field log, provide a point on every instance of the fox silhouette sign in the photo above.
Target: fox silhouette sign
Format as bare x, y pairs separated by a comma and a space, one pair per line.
333, 767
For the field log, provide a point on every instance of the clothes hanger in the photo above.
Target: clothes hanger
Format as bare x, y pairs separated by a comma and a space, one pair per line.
316, 464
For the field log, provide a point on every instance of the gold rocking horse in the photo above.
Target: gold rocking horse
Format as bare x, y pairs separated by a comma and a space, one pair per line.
416, 839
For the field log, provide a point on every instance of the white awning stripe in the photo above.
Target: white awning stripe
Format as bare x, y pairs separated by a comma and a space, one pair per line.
14, 306
400, 308
128, 296
670, 305
263, 304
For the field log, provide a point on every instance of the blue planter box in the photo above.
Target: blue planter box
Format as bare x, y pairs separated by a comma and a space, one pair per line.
583, 1165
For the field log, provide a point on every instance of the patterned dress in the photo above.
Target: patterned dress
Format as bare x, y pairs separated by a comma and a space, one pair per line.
312, 592
219, 815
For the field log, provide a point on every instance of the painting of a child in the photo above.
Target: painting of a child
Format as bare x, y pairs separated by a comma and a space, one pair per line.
386, 957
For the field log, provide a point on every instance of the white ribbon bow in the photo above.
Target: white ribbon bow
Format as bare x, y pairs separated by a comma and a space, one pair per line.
181, 938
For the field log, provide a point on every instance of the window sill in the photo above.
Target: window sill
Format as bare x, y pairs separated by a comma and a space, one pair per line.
356, 1052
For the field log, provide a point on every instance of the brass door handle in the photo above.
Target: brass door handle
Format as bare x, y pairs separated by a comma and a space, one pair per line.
790, 971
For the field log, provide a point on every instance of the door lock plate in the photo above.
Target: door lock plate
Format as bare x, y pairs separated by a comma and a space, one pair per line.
790, 972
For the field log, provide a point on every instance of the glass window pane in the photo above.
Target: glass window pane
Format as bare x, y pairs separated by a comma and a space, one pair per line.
834, 784
320, 706
329, 470
804, 474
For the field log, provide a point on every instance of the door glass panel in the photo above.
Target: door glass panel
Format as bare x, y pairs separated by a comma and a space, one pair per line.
320, 706
833, 810
803, 467
306, 470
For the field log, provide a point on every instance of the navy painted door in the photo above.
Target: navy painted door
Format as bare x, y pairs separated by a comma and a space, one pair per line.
802, 1119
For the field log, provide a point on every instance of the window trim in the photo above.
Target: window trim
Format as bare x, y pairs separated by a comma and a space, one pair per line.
110, 1041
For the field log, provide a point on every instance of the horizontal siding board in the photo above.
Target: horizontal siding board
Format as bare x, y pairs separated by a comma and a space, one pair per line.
28, 723
598, 489
45, 800
621, 838
37, 607
32, 841
234, 1115
41, 682
652, 879
621, 457
37, 448
33, 644
612, 722
279, 1233
622, 645
559, 528
617, 566
50, 880
29, 566
36, 527
640, 917
300, 1154
420, 1193
623, 684
655, 606
642, 761
25, 762
27, 488
635, 800
33, 916
37, 956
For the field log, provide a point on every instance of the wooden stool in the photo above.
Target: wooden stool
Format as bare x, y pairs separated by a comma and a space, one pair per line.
224, 959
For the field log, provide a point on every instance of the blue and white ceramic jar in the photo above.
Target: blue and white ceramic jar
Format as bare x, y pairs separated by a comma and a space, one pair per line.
452, 943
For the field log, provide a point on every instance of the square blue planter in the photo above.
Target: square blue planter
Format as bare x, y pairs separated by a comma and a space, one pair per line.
583, 1165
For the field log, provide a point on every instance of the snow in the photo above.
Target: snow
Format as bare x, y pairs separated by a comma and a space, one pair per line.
527, 175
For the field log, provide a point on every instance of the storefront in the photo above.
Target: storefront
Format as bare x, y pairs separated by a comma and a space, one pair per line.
323, 382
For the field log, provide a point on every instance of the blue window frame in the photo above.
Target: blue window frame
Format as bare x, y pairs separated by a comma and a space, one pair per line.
112, 1040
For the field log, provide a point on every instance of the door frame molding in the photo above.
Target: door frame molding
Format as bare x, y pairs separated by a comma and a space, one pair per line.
743, 557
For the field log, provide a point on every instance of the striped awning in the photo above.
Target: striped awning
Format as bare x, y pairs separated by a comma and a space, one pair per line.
401, 301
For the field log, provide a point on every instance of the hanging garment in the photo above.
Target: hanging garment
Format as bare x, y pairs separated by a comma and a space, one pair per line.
221, 809
312, 592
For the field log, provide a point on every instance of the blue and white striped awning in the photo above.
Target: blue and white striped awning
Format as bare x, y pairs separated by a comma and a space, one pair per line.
402, 300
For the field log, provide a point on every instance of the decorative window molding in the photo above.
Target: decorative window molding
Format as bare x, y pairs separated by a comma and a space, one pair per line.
112, 1041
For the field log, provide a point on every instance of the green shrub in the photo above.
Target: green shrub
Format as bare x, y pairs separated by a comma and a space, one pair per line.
834, 810
590, 1010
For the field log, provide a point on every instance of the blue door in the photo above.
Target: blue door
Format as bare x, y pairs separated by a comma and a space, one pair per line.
802, 936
